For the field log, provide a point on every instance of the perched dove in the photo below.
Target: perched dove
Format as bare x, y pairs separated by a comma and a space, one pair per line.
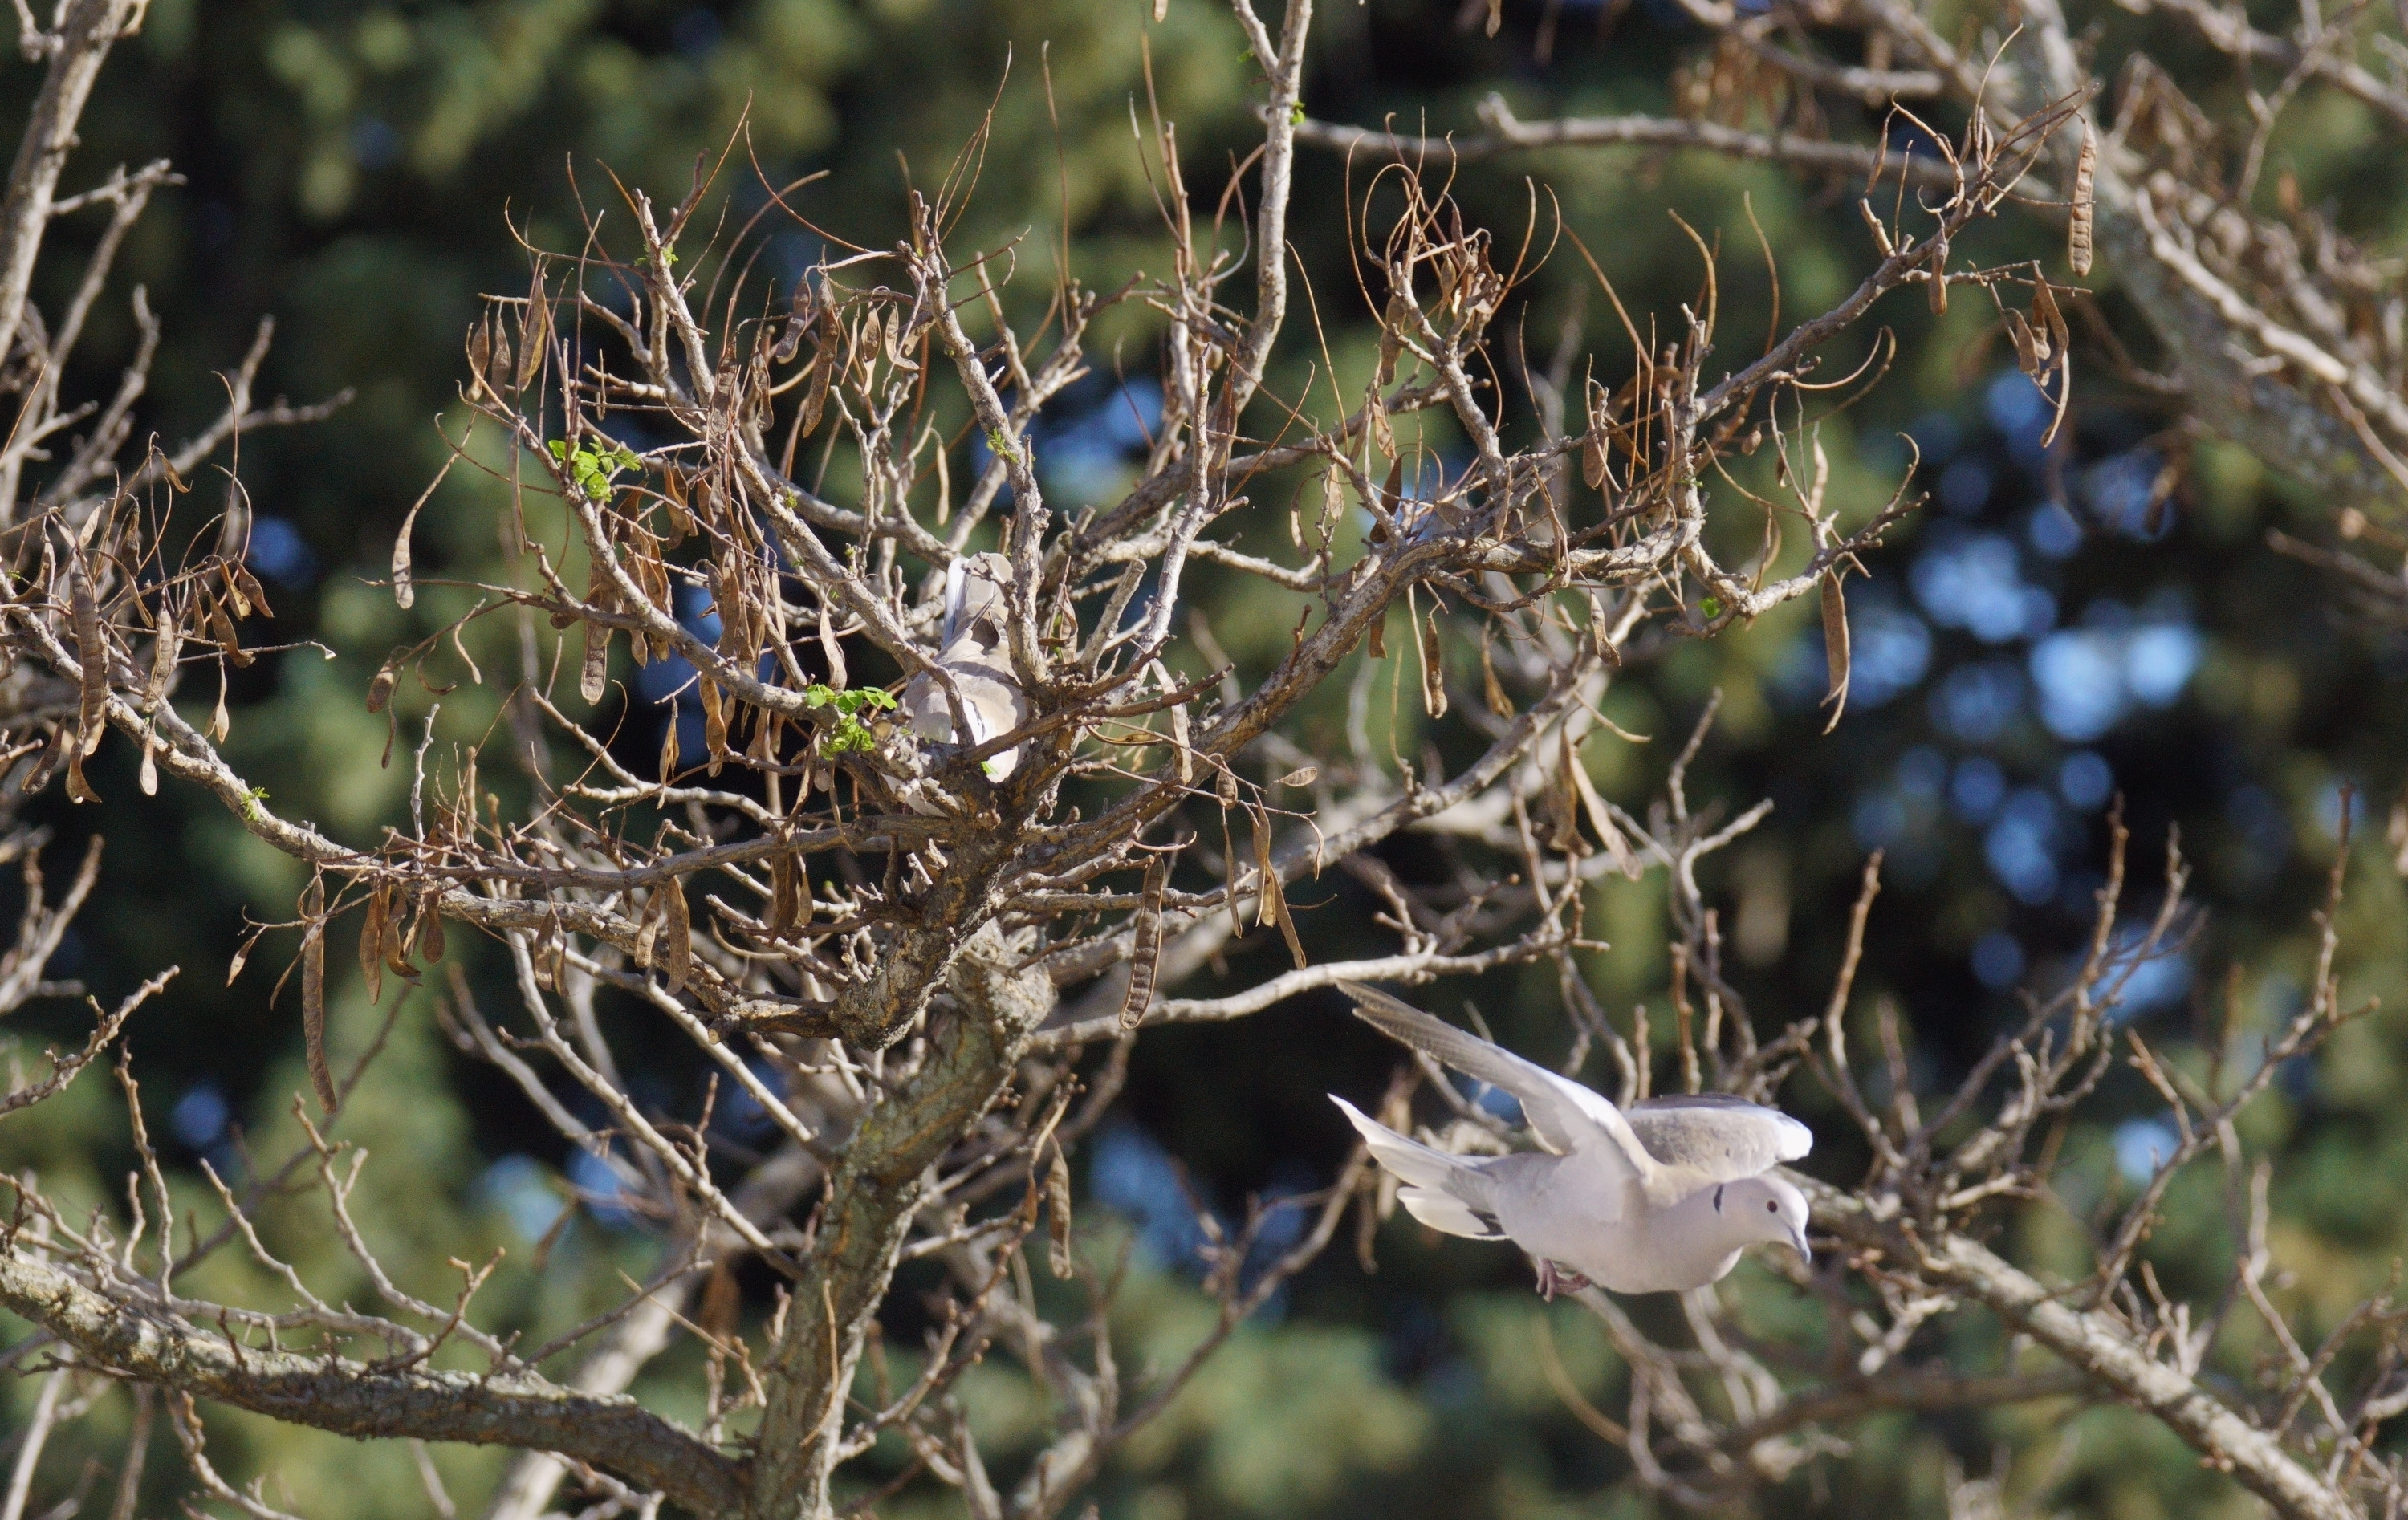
1661, 1199
973, 650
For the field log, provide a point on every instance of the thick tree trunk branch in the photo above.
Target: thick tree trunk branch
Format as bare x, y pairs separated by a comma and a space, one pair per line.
2098, 1348
871, 1199
359, 1399
78, 48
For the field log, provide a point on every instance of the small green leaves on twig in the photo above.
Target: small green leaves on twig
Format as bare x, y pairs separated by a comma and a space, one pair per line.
850, 735
593, 469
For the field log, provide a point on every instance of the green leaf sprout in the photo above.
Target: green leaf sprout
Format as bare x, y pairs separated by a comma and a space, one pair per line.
850, 734
595, 468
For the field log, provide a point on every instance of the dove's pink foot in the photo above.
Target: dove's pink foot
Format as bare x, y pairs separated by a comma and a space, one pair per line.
1555, 1279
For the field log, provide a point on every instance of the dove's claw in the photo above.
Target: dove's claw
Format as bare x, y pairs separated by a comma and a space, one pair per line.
1554, 1279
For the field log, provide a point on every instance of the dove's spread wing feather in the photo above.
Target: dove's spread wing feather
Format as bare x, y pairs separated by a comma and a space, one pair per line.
1716, 1138
1566, 1116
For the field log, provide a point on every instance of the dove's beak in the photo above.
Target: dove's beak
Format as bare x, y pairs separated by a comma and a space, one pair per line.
1805, 1252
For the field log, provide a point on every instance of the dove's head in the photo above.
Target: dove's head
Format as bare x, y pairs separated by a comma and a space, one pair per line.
1765, 1209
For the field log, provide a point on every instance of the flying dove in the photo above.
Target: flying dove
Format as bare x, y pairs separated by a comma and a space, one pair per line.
1660, 1198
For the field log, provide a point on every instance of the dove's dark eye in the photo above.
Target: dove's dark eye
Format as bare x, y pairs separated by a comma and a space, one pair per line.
1770, 1207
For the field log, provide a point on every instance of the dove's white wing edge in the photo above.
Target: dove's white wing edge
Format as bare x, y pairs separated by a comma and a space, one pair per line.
1596, 1124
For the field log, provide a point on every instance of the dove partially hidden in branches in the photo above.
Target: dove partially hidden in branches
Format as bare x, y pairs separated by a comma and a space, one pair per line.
974, 651
1660, 1198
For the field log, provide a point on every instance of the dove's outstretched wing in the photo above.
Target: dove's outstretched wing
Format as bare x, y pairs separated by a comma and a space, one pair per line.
1566, 1116
1716, 1138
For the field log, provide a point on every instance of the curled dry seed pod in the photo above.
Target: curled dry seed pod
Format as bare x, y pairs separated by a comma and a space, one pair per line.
1600, 634
397, 946
372, 944
313, 991
675, 951
388, 674
1491, 689
1145, 956
47, 765
714, 723
824, 364
1185, 752
229, 638
2078, 228
535, 331
785, 897
798, 318
832, 649
1938, 284
648, 929
2050, 322
1057, 1217
673, 491
427, 935
1265, 879
2019, 333
91, 658
594, 677
164, 652
1835, 645
1563, 800
254, 596
1286, 920
1393, 322
405, 592
1433, 669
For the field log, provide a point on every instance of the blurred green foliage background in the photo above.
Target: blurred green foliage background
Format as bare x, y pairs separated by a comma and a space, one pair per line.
2032, 645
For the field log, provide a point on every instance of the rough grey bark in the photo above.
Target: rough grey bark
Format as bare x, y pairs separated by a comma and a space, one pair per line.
76, 50
358, 1398
871, 1198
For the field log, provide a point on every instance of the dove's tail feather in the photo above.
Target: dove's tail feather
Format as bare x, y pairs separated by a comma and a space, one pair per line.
956, 586
1448, 1215
1435, 1181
